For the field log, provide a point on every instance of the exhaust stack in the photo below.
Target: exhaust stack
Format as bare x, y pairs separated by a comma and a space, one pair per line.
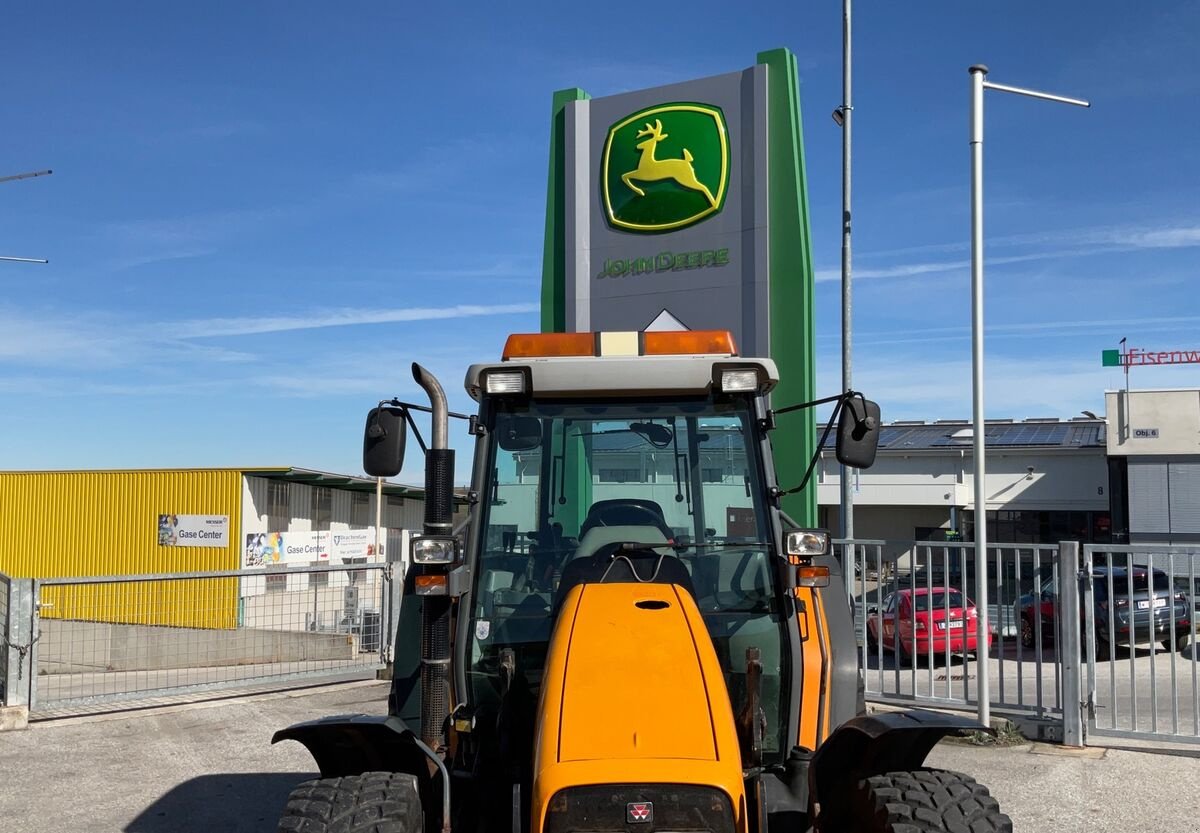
435, 610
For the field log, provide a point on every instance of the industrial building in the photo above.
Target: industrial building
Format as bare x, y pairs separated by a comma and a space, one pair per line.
104, 523
1047, 481
1154, 455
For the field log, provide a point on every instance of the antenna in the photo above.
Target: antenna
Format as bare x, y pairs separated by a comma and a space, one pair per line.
13, 178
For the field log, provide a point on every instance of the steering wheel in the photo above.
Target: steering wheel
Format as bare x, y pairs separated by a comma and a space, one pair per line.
656, 520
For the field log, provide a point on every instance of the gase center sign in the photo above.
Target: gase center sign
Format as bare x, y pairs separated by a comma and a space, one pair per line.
665, 167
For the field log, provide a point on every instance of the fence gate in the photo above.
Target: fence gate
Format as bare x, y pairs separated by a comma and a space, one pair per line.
1140, 605
917, 647
111, 638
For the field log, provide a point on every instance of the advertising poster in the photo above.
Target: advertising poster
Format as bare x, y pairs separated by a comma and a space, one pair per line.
193, 531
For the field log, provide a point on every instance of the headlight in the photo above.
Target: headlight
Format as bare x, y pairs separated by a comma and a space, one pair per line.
429, 549
499, 382
806, 543
739, 381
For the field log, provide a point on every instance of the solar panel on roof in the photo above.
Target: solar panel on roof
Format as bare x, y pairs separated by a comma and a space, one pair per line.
1033, 434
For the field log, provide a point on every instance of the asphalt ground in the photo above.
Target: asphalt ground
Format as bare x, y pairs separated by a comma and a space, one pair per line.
207, 767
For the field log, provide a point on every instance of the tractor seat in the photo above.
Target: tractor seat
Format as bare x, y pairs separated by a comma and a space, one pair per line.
597, 560
625, 512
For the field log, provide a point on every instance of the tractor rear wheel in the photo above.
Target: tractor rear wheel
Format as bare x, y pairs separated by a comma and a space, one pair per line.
374, 802
926, 800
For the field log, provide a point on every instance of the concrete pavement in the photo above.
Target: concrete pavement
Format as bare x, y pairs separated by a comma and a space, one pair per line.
210, 767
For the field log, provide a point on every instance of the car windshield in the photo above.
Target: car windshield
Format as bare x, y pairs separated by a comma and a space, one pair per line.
573, 480
941, 599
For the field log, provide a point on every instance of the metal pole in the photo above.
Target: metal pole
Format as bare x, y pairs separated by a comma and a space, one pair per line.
847, 110
978, 72
979, 83
378, 514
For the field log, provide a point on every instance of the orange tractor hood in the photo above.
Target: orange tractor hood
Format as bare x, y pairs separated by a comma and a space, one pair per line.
633, 693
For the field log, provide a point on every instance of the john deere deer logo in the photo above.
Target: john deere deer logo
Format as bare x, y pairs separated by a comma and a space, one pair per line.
665, 167
650, 169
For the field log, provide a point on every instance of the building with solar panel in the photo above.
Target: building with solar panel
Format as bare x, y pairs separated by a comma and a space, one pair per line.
1048, 481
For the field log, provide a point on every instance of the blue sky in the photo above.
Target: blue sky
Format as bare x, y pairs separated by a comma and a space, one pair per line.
262, 213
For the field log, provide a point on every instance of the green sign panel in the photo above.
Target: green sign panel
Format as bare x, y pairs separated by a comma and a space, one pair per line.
665, 167
1111, 358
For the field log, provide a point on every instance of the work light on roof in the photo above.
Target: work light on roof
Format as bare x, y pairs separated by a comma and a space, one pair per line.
501, 382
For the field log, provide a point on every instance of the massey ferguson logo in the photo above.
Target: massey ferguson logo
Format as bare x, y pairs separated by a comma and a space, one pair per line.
639, 812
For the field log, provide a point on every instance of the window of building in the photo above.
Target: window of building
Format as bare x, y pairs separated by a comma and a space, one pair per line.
619, 475
322, 507
360, 509
279, 513
276, 582
712, 475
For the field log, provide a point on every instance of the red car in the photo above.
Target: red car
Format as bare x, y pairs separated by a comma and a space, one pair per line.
917, 621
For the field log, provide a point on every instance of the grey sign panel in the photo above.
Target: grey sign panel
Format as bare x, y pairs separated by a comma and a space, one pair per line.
710, 275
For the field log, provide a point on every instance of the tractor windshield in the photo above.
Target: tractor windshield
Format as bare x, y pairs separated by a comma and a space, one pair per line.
574, 480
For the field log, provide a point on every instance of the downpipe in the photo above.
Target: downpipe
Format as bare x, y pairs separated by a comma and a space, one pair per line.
435, 610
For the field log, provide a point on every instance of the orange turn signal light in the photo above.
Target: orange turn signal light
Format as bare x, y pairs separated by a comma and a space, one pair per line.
808, 575
430, 585
541, 345
689, 342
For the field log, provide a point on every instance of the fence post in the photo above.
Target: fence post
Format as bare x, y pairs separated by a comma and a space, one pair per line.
19, 673
1069, 638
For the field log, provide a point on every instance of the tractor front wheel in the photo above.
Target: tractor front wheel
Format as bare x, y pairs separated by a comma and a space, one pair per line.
926, 800
374, 802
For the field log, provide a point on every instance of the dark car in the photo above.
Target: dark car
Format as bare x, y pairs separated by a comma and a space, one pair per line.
1143, 609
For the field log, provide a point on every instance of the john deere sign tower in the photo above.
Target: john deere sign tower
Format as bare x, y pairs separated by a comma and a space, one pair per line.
686, 205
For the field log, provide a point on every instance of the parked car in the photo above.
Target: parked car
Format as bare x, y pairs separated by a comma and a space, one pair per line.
921, 621
1147, 615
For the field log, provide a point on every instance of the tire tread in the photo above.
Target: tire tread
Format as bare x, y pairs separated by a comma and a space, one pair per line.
374, 802
927, 801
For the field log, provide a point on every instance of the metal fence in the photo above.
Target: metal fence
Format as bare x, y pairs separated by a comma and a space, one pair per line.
917, 642
111, 638
4, 634
1140, 607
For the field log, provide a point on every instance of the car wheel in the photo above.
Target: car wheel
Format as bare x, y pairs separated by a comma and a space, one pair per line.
1181, 642
1026, 632
925, 799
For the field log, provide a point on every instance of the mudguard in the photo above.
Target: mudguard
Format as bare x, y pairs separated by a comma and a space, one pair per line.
351, 744
871, 745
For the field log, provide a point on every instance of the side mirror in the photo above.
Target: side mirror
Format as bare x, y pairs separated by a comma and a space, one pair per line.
872, 610
858, 433
519, 433
383, 441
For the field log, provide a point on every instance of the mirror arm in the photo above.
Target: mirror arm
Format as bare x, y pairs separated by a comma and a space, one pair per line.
424, 408
812, 464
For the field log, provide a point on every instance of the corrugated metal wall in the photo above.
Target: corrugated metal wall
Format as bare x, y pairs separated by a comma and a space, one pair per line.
56, 524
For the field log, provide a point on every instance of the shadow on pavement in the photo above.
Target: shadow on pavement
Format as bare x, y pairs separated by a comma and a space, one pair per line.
231, 803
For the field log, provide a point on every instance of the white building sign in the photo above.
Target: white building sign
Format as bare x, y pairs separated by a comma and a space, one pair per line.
193, 531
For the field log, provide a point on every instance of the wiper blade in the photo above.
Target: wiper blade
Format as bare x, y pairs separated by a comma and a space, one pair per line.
628, 546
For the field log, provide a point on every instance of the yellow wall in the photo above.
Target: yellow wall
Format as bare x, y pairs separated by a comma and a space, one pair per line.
98, 523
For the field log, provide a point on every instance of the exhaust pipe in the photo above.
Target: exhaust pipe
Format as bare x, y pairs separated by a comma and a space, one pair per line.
435, 610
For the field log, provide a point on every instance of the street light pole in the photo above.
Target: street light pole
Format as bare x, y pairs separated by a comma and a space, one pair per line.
847, 111
15, 178
979, 83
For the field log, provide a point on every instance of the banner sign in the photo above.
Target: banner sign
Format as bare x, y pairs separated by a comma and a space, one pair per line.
1137, 357
264, 549
193, 531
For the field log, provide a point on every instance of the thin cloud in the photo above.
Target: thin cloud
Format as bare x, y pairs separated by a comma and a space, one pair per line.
214, 327
1081, 243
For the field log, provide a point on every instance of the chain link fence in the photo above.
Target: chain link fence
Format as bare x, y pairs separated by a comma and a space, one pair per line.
111, 638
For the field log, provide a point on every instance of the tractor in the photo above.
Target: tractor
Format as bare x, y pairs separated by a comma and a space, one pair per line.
627, 633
